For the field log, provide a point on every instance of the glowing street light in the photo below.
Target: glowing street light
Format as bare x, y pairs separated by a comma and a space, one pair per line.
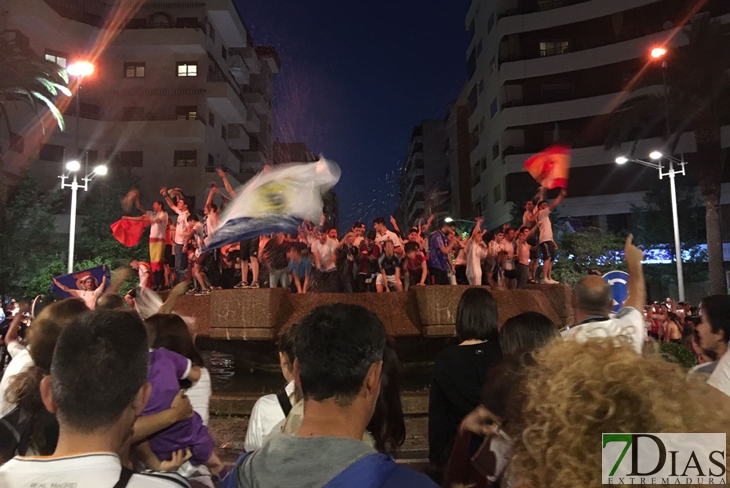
622, 160
101, 170
80, 69
73, 166
658, 52
656, 155
448, 220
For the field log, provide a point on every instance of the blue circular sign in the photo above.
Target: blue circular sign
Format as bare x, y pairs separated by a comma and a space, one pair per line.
619, 282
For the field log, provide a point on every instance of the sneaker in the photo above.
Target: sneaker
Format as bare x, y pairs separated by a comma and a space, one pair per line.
191, 292
545, 282
242, 284
202, 293
254, 285
553, 282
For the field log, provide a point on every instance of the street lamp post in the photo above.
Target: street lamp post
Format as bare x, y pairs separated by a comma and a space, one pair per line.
73, 167
671, 173
79, 69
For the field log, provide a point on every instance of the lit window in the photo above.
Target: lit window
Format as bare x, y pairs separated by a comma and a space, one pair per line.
187, 69
188, 112
57, 57
134, 70
552, 48
186, 158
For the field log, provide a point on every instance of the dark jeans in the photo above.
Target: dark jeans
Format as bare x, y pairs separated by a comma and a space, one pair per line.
523, 275
438, 276
461, 278
181, 263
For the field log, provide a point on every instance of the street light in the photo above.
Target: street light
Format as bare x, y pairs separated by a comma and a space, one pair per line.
448, 220
79, 69
658, 52
73, 167
671, 173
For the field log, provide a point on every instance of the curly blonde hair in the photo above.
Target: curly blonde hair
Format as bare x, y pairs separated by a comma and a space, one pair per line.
575, 392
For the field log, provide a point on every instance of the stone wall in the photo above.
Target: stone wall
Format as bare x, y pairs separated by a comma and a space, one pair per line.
428, 311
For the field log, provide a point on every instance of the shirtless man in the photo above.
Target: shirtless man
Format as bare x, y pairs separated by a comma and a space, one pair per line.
529, 220
524, 255
89, 293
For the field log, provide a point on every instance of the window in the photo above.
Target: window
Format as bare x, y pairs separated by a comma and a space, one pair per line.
211, 161
485, 201
498, 193
187, 68
57, 57
492, 65
186, 158
480, 87
187, 22
552, 48
494, 107
211, 32
224, 132
495, 151
130, 159
133, 113
490, 23
224, 52
52, 153
187, 112
479, 208
134, 70
557, 92
482, 165
211, 119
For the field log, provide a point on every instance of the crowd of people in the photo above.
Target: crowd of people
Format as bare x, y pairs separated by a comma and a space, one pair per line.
117, 397
316, 258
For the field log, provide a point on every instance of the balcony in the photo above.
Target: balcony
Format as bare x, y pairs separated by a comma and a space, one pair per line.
541, 6
190, 131
176, 40
238, 68
224, 98
238, 139
255, 99
227, 22
252, 123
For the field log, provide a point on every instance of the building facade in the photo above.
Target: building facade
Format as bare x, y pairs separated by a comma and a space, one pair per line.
458, 151
424, 182
179, 89
552, 71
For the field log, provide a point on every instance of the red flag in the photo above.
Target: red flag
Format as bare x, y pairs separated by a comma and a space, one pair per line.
550, 167
129, 231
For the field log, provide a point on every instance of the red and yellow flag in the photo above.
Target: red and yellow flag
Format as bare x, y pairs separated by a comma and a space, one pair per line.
550, 167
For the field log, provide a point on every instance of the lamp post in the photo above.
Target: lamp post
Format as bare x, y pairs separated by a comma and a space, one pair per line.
449, 220
72, 167
671, 173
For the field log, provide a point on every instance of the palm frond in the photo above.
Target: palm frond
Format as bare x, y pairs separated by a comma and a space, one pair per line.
52, 107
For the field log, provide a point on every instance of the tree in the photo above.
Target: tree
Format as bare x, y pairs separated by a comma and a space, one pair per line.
27, 79
581, 252
698, 98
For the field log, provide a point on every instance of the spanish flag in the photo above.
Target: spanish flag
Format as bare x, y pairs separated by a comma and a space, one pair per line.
550, 167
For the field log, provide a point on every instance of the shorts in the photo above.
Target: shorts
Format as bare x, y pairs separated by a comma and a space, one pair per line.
523, 275
249, 249
379, 279
548, 250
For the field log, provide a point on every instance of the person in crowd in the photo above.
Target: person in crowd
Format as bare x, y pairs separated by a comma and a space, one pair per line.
181, 230
547, 241
358, 228
382, 234
157, 218
713, 329
705, 362
673, 330
275, 258
592, 303
166, 370
459, 266
170, 274
476, 252
143, 271
415, 266
96, 388
324, 252
339, 360
368, 260
529, 220
270, 410
389, 266
442, 244
347, 254
509, 247
460, 371
90, 291
387, 425
300, 268
574, 392
485, 466
195, 239
524, 256
110, 301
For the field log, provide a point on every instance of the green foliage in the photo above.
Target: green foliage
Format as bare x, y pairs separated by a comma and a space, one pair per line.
677, 353
580, 252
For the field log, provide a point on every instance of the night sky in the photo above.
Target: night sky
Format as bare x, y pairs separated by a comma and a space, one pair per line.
356, 77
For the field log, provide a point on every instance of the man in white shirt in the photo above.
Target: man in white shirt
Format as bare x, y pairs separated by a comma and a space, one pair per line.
158, 225
324, 251
181, 231
547, 242
382, 234
143, 271
592, 303
97, 388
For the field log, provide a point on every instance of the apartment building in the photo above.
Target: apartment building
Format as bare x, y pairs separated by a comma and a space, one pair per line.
458, 151
424, 186
179, 90
547, 71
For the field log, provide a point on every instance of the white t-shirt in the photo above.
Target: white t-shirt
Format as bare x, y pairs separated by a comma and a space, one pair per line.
199, 395
92, 470
20, 362
528, 220
158, 224
143, 271
181, 227
327, 254
265, 415
212, 221
720, 377
546, 227
628, 323
388, 236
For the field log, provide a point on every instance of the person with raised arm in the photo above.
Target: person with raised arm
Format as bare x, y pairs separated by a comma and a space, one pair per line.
547, 241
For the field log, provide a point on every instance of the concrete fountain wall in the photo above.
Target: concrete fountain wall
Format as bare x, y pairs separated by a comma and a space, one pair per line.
428, 311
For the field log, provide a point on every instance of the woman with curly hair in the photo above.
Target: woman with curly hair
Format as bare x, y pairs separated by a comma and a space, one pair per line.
575, 392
